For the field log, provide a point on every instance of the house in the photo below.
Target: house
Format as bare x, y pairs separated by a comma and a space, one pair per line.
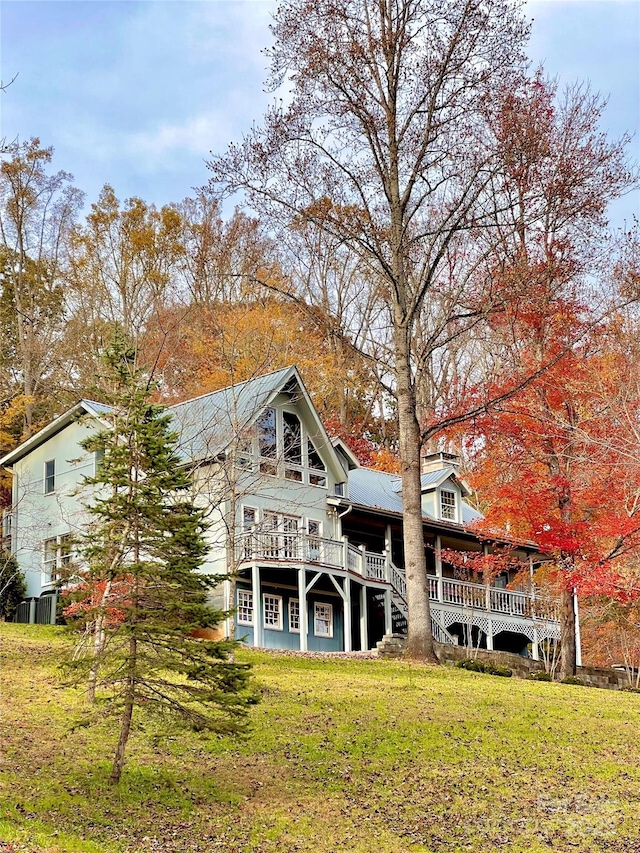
308, 542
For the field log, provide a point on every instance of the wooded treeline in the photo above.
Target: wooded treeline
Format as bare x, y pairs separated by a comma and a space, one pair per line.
424, 233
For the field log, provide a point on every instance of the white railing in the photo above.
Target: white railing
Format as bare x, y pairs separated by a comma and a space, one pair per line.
375, 566
481, 597
289, 547
354, 557
297, 547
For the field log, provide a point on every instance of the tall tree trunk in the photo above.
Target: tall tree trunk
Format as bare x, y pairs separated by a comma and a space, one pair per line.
420, 640
567, 634
127, 714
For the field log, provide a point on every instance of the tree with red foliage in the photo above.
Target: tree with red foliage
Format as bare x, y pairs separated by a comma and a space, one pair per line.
557, 463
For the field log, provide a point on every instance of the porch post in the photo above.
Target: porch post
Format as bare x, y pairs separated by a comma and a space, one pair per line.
364, 629
387, 552
302, 604
346, 603
258, 638
388, 621
535, 648
438, 559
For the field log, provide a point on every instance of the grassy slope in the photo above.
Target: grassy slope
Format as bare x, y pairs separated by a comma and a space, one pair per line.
343, 755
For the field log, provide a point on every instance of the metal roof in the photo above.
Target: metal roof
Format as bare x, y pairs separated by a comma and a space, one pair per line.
207, 425
379, 490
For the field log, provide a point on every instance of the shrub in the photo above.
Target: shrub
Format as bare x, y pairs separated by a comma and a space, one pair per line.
540, 675
497, 669
471, 664
572, 679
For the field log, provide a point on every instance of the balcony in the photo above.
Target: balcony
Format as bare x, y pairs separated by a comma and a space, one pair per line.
300, 548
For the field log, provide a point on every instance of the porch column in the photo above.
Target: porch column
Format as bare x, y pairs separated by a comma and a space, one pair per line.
302, 604
535, 647
438, 559
346, 603
388, 621
489, 634
258, 635
364, 629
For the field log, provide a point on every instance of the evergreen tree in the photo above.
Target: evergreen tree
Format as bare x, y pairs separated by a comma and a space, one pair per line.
143, 595
12, 585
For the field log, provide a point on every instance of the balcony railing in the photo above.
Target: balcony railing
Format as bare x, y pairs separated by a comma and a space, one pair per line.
474, 596
296, 547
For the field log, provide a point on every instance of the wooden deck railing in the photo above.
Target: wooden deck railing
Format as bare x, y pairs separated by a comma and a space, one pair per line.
297, 547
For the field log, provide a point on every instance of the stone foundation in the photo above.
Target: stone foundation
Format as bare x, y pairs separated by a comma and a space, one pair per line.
394, 646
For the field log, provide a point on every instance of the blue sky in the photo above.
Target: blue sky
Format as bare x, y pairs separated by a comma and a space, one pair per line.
136, 93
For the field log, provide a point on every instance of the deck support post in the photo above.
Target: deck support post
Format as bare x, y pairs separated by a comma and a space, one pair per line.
388, 621
364, 628
347, 614
535, 645
258, 636
302, 605
438, 560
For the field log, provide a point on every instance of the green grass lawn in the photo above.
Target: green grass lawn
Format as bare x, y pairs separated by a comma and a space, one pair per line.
343, 755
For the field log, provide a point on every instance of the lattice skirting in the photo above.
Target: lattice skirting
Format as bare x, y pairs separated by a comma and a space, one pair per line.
446, 618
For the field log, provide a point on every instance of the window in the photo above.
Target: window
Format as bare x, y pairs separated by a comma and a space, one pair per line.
315, 464
267, 440
292, 438
314, 529
280, 537
273, 612
323, 620
294, 616
245, 607
290, 536
56, 554
244, 452
339, 490
98, 458
447, 505
50, 477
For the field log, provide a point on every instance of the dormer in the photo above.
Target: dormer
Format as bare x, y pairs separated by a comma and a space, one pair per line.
442, 490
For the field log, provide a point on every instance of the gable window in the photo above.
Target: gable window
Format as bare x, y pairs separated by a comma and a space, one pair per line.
56, 554
323, 619
292, 438
50, 477
447, 505
316, 464
268, 441
245, 607
273, 612
244, 452
294, 616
